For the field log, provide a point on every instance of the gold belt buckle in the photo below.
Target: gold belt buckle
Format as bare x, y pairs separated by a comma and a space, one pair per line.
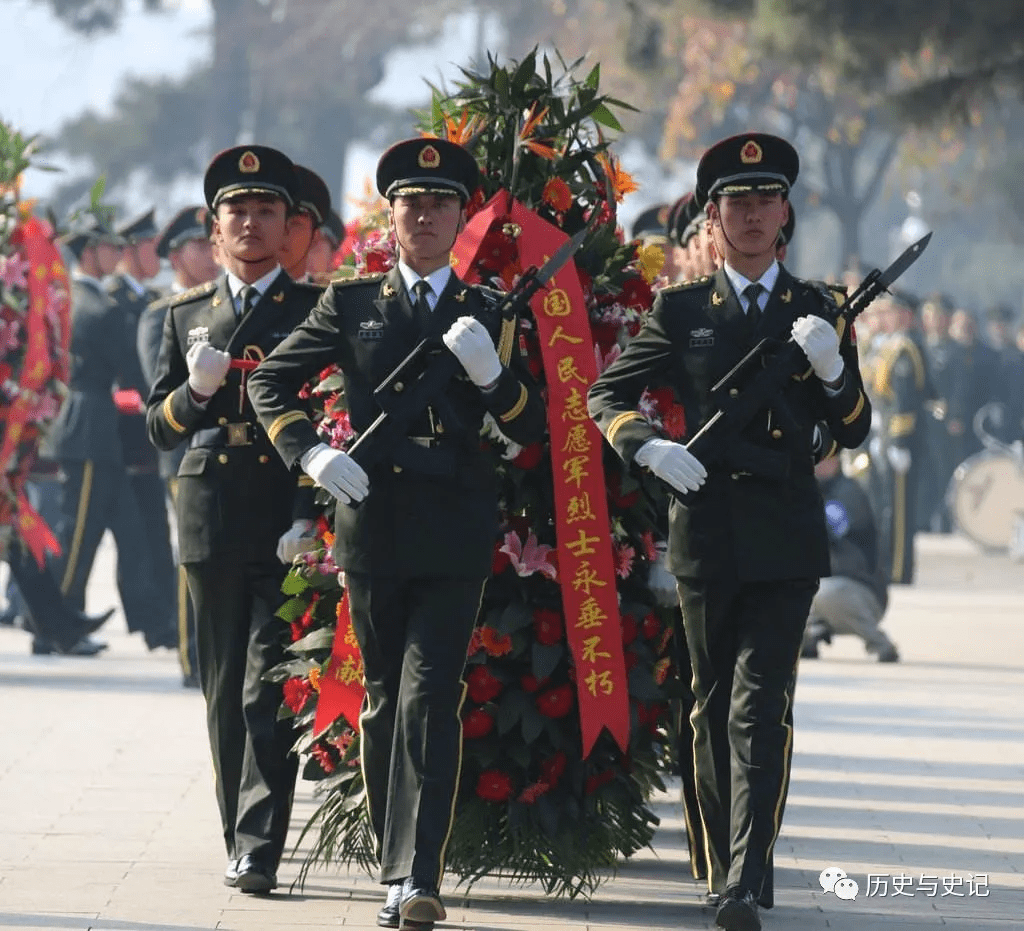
238, 434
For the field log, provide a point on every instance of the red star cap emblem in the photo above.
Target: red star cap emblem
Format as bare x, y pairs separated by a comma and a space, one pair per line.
751, 153
429, 157
248, 163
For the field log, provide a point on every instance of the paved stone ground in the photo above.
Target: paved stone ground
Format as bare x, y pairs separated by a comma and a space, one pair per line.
913, 773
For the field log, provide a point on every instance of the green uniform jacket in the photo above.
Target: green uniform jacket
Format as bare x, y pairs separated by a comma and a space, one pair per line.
102, 354
430, 511
759, 514
235, 496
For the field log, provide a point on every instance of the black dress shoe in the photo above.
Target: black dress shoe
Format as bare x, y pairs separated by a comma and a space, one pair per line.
712, 899
190, 679
738, 912
254, 876
86, 646
388, 916
231, 874
421, 904
90, 623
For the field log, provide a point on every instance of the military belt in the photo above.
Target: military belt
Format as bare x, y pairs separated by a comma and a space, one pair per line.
231, 434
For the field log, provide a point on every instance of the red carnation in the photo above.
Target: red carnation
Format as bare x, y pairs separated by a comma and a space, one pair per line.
533, 792
296, 691
637, 293
556, 702
651, 626
530, 457
547, 627
482, 686
478, 723
377, 261
605, 334
552, 768
494, 785
498, 249
494, 643
629, 629
322, 755
531, 683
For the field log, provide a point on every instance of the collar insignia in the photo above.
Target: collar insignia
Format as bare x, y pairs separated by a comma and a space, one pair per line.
787, 297
716, 298
387, 290
216, 301
461, 296
279, 297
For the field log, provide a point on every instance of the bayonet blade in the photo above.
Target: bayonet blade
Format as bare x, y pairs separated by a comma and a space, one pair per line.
908, 258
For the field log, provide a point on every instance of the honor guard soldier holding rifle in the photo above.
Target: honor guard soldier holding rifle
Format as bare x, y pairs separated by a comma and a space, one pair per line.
236, 501
747, 538
416, 551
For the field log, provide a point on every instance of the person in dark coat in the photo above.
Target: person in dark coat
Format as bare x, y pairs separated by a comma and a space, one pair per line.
236, 500
96, 494
416, 551
853, 599
747, 536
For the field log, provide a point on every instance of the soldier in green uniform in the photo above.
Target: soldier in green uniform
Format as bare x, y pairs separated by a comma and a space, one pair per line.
417, 550
747, 538
85, 440
236, 499
185, 243
321, 253
312, 209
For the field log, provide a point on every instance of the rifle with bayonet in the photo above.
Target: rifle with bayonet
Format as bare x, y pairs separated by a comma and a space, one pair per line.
420, 377
773, 366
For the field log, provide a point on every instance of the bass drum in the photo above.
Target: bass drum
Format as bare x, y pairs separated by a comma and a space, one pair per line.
986, 498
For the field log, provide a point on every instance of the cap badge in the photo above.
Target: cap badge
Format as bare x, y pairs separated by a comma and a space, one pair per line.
429, 157
751, 153
248, 163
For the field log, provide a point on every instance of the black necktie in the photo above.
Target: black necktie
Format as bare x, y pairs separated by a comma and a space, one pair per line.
752, 292
421, 306
247, 296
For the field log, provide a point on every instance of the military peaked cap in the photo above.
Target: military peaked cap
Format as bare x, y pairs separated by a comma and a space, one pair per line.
427, 166
747, 163
185, 225
87, 229
140, 228
333, 228
788, 228
650, 221
312, 194
249, 169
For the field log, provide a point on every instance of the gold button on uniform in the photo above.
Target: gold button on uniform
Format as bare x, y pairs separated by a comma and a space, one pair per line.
222, 420
735, 476
399, 386
733, 392
439, 428
776, 434
222, 458
264, 458
396, 468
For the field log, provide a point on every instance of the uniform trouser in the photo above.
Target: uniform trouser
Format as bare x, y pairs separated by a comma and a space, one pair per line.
744, 640
96, 497
684, 750
413, 635
900, 523
239, 641
49, 616
188, 654
850, 607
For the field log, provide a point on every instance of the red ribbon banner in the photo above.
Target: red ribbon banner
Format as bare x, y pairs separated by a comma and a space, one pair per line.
583, 532
341, 685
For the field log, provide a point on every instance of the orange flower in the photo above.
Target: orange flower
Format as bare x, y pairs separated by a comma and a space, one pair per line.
532, 122
314, 678
557, 195
495, 644
620, 182
461, 132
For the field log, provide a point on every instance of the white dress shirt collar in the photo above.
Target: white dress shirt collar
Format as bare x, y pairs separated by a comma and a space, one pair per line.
438, 281
739, 282
235, 284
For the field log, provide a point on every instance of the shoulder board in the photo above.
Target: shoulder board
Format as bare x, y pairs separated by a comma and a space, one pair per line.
192, 294
161, 303
374, 278
691, 285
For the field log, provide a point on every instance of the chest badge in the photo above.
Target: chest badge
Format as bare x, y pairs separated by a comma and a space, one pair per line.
199, 334
371, 329
701, 337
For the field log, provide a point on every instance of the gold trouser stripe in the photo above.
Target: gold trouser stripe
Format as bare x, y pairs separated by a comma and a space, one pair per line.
620, 421
81, 517
186, 666
857, 408
899, 523
517, 408
691, 835
169, 415
458, 765
506, 340
696, 781
902, 424
786, 762
283, 421
305, 481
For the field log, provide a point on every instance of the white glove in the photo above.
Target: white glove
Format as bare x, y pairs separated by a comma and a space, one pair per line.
471, 344
299, 538
899, 459
820, 343
206, 368
336, 471
672, 463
